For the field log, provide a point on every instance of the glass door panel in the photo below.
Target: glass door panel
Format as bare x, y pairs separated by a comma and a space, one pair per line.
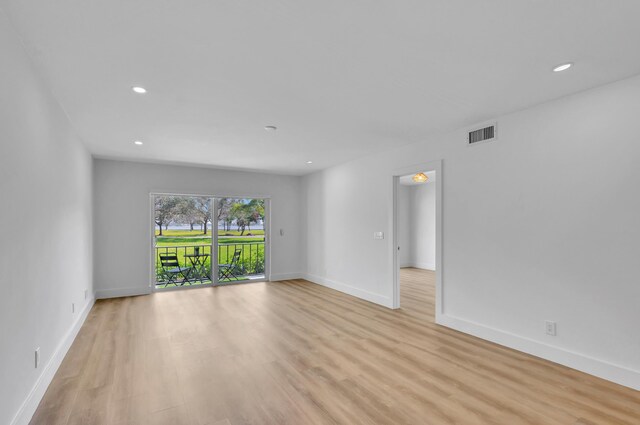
240, 239
182, 241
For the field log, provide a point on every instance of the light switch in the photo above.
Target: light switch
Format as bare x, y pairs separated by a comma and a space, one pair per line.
378, 235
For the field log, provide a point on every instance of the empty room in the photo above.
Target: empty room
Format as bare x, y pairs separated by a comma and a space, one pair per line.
280, 212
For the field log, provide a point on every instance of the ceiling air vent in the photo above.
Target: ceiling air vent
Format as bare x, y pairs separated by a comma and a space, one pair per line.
482, 134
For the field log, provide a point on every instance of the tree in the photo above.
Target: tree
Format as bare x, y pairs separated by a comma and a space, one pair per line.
164, 210
186, 211
238, 213
224, 209
246, 213
227, 222
255, 211
203, 211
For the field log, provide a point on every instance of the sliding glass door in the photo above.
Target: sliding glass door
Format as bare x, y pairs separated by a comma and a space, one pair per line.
183, 241
240, 239
204, 241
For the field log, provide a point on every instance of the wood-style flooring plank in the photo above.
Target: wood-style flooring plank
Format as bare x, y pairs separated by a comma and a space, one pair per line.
296, 353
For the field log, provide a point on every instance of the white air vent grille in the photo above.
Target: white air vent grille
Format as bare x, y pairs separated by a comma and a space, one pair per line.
482, 134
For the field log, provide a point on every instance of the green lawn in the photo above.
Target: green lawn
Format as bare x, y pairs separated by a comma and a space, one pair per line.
190, 241
198, 233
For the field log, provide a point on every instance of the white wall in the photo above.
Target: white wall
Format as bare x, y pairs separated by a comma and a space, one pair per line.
422, 242
123, 223
404, 226
46, 230
417, 226
541, 224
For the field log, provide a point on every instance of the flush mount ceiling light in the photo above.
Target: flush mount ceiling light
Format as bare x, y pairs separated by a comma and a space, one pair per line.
270, 127
137, 142
139, 90
562, 67
309, 162
420, 178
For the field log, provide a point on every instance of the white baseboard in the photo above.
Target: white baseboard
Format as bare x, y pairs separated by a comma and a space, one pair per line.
602, 369
425, 266
30, 404
121, 292
285, 276
350, 290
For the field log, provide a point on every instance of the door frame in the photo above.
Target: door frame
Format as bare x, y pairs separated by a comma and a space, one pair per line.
214, 232
393, 240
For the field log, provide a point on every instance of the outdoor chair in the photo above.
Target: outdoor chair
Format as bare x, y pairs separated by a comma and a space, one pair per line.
228, 271
172, 270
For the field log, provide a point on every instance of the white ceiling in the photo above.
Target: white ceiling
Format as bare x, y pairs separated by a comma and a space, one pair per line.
408, 179
339, 79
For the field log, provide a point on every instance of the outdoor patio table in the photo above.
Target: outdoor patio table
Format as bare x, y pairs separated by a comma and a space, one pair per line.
199, 270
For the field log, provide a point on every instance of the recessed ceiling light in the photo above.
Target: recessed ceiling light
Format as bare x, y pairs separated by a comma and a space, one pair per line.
309, 162
562, 67
137, 142
270, 127
140, 90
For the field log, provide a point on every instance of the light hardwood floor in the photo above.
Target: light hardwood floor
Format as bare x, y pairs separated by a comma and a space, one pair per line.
297, 353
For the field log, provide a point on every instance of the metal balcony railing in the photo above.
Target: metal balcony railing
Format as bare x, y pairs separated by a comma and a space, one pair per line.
196, 259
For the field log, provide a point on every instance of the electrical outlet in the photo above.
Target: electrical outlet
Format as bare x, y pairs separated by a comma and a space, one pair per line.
378, 235
37, 357
550, 328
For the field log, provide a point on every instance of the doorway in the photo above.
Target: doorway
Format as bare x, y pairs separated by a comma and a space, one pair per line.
208, 241
417, 236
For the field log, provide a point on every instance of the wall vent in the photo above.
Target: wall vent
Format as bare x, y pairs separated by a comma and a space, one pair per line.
482, 134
